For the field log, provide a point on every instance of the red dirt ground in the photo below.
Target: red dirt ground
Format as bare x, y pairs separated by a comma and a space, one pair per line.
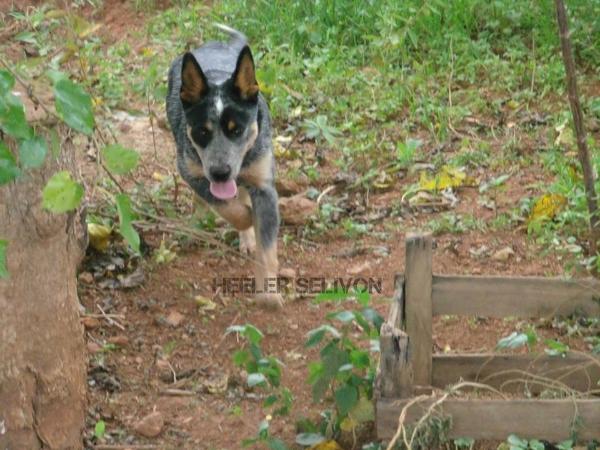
131, 381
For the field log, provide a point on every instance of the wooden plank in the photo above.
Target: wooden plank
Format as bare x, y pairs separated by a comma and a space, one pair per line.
418, 305
396, 315
579, 372
496, 419
394, 375
514, 296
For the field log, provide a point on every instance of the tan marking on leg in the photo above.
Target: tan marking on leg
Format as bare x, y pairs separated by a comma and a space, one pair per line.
267, 267
247, 241
237, 211
259, 172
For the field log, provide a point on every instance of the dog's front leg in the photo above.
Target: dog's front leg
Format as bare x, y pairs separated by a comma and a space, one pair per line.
265, 215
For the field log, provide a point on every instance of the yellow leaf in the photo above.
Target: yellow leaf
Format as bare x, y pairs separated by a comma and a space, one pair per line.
89, 30
147, 52
205, 304
99, 236
547, 206
158, 176
348, 424
327, 445
283, 153
447, 177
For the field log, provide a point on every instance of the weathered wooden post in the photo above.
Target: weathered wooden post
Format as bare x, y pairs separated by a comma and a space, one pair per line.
418, 305
395, 376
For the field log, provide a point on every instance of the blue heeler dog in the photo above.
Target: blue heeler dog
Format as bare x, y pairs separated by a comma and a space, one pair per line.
222, 129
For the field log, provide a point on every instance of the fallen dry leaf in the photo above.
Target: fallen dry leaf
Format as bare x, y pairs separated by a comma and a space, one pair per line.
503, 254
547, 206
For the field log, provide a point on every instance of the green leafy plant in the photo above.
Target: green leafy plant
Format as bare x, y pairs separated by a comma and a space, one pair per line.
264, 437
319, 128
263, 371
99, 429
346, 369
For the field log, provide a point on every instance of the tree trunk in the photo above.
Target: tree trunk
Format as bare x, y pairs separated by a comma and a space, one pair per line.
42, 353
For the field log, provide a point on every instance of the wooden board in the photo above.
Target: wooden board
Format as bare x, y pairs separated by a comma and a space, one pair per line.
418, 305
579, 372
514, 296
496, 419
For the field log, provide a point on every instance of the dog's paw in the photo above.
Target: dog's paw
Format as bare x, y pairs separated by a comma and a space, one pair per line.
247, 241
269, 301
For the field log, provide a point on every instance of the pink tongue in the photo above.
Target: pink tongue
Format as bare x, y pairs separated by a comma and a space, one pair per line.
224, 191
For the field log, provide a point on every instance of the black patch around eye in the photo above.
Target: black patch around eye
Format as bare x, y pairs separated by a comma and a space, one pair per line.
233, 123
201, 136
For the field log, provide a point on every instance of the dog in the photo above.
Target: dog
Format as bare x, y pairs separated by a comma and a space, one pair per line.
222, 130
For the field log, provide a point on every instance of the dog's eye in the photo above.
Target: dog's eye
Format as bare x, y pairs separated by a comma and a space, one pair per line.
201, 135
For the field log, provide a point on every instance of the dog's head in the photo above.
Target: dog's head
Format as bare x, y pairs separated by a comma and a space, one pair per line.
221, 118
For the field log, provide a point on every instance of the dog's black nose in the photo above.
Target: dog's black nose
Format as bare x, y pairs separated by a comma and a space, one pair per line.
220, 173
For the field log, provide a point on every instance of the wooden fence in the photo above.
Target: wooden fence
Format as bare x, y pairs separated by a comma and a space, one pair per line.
408, 366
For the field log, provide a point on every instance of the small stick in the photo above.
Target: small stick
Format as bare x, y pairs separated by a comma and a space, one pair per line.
124, 447
110, 320
101, 316
582, 148
178, 392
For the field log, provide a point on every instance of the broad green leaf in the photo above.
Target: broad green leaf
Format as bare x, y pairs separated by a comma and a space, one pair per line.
343, 316
534, 444
514, 340
99, 429
565, 445
464, 442
74, 106
253, 334
270, 401
32, 152
315, 336
3, 269
345, 398
241, 357
125, 218
308, 439
360, 358
276, 444
255, 379
55, 76
12, 117
556, 348
7, 82
336, 295
120, 160
374, 317
62, 193
516, 442
8, 166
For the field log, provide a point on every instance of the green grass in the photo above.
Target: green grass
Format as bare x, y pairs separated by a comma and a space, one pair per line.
366, 80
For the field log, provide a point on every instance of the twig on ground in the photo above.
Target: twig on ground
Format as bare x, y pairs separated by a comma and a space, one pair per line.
109, 319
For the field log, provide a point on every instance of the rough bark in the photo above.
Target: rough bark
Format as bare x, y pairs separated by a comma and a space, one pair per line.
42, 353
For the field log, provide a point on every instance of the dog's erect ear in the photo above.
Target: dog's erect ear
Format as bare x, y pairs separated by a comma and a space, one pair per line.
244, 76
193, 81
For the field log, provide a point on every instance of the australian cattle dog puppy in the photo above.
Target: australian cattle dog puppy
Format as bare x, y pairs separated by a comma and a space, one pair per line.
222, 129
